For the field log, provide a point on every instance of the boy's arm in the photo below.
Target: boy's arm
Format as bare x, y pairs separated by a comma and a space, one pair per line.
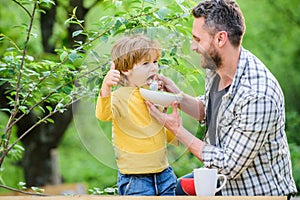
111, 79
103, 107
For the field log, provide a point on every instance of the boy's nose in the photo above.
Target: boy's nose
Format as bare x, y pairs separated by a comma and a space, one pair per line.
154, 67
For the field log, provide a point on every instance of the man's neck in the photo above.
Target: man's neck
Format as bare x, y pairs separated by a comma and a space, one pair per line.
229, 65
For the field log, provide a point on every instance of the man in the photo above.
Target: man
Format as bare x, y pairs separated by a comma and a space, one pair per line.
243, 108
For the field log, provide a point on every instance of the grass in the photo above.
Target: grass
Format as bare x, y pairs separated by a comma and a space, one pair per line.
78, 165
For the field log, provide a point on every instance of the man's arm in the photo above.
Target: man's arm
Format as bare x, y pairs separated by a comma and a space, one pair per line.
190, 105
173, 123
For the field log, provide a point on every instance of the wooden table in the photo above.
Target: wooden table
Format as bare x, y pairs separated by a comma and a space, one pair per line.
94, 197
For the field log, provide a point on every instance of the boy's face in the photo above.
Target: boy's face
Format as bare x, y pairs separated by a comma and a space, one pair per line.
142, 71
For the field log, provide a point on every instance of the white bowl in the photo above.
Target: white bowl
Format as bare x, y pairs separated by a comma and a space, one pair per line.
161, 98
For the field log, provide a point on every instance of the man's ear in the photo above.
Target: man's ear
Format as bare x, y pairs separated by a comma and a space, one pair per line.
221, 38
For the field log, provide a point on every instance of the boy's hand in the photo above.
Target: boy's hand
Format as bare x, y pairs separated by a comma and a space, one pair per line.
111, 79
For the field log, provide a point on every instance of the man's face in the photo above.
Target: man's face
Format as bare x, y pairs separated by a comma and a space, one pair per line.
203, 43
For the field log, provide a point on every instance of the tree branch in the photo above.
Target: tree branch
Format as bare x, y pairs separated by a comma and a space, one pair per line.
16, 103
25, 9
21, 191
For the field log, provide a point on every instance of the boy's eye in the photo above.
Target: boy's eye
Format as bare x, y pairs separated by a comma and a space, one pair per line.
155, 61
145, 63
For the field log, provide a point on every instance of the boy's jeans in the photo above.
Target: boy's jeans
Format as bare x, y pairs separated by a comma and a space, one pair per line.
156, 184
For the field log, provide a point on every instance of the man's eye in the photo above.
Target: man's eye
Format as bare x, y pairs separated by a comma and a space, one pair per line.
196, 39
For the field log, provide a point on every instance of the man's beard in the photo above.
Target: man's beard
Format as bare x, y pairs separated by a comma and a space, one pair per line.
211, 59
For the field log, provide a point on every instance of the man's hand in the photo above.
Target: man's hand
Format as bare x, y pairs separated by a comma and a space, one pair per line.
171, 121
111, 79
168, 85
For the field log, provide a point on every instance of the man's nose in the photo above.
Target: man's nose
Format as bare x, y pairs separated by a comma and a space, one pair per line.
194, 46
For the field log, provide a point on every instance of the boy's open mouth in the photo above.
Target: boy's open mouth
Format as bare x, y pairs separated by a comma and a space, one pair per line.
151, 78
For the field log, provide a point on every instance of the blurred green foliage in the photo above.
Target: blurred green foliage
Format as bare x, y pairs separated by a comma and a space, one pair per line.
272, 34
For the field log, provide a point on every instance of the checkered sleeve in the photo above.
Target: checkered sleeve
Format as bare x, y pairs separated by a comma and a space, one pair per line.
253, 120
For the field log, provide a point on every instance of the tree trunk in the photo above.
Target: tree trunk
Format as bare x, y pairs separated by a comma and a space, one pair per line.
81, 11
47, 21
37, 160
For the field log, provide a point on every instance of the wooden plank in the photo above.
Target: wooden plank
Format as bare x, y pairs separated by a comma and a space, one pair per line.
61, 189
93, 197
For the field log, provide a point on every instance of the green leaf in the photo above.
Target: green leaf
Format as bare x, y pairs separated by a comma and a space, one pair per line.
19, 148
41, 11
163, 12
118, 4
4, 137
47, 73
48, 2
5, 109
185, 10
104, 38
50, 120
118, 24
67, 89
38, 190
186, 47
76, 33
63, 56
22, 185
74, 11
110, 190
174, 51
49, 108
42, 109
35, 35
151, 1
16, 152
73, 56
24, 109
4, 80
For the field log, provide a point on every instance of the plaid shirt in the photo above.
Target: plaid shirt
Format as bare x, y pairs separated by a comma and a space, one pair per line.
251, 145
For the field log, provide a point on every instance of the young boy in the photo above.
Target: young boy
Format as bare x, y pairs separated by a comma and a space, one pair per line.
139, 140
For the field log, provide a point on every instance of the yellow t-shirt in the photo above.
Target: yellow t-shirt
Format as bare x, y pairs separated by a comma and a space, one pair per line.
139, 140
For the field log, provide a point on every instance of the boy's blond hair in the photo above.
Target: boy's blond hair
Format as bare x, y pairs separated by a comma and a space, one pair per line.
133, 49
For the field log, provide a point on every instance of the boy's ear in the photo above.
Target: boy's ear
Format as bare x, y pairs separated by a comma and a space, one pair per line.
126, 72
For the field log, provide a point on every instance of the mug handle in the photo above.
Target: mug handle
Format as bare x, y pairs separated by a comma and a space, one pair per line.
224, 182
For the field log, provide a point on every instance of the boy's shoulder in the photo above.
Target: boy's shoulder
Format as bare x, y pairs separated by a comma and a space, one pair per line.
125, 92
